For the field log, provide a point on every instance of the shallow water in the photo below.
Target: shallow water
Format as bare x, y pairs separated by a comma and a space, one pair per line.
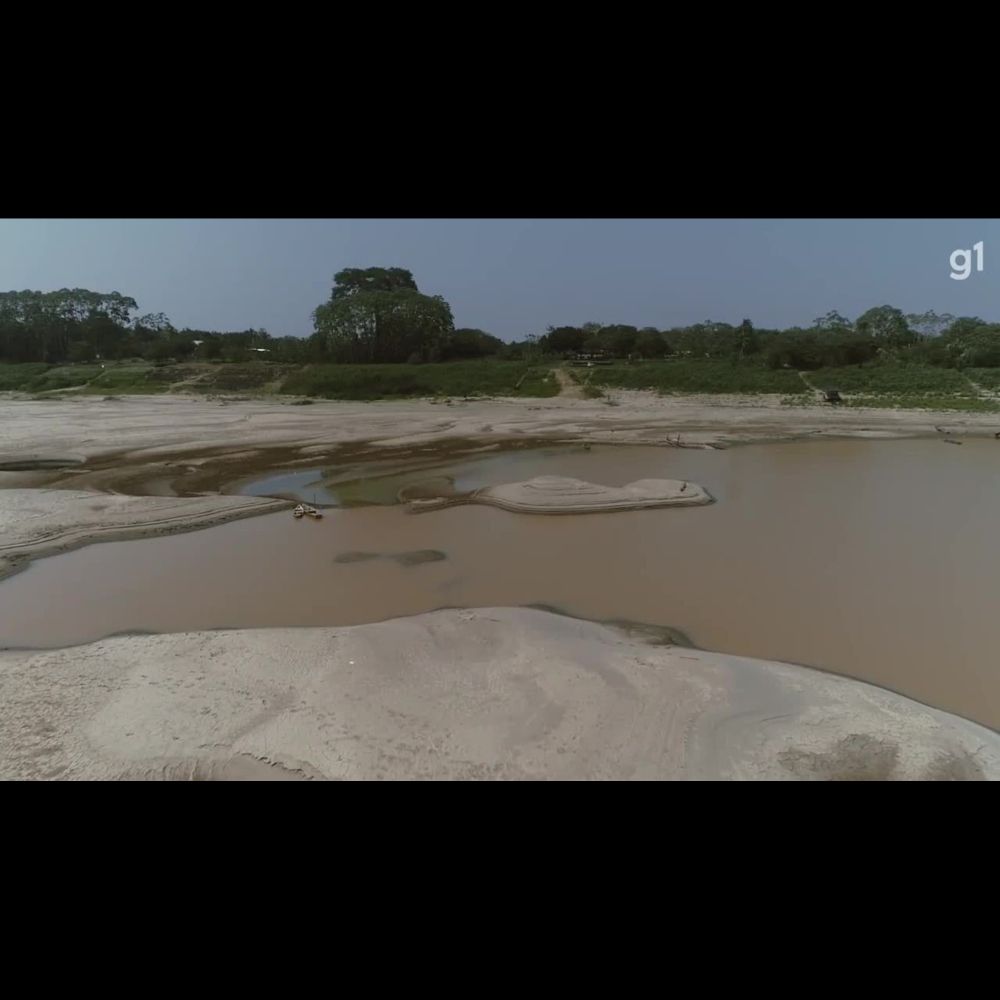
374, 486
880, 560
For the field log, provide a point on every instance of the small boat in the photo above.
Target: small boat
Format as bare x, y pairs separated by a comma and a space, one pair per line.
298, 511
310, 511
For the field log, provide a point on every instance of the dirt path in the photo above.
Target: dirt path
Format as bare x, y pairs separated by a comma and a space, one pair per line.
568, 389
817, 393
188, 383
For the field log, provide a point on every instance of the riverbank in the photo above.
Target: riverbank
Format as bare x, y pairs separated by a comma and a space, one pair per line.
502, 693
192, 450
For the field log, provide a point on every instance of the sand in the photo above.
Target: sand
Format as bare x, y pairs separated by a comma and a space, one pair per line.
498, 693
156, 447
565, 495
36, 523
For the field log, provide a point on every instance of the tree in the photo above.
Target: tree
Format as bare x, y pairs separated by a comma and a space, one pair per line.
563, 339
383, 326
469, 343
747, 342
833, 320
650, 343
155, 323
358, 280
887, 326
618, 339
963, 326
930, 323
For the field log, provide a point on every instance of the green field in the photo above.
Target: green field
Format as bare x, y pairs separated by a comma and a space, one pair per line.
684, 375
127, 379
897, 385
455, 378
912, 387
17, 377
988, 378
892, 379
62, 377
928, 401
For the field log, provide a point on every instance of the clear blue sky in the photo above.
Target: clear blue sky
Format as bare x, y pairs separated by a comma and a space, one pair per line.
513, 277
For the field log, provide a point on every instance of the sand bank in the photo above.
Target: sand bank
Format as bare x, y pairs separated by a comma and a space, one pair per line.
565, 495
148, 429
486, 693
35, 523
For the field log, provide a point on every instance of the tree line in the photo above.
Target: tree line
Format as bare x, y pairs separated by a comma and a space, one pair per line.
379, 315
78, 325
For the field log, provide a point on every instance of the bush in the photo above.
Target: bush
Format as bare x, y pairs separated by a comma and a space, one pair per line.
890, 378
455, 378
697, 375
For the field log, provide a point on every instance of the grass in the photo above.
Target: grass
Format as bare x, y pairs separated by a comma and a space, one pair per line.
128, 379
891, 379
249, 377
455, 378
63, 377
927, 401
988, 378
882, 386
688, 375
14, 377
911, 387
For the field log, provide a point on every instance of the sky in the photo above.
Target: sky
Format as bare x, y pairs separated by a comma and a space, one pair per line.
514, 277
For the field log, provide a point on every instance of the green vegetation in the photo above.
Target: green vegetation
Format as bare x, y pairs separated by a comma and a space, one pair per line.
252, 377
891, 378
127, 379
988, 378
968, 404
690, 375
18, 377
62, 377
455, 378
378, 336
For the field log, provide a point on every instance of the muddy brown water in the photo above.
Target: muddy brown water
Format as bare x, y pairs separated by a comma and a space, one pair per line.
876, 559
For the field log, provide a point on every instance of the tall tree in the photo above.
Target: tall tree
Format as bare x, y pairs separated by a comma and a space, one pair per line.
930, 323
383, 326
887, 326
833, 320
358, 280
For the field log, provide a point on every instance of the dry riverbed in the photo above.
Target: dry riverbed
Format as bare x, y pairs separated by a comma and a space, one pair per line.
485, 693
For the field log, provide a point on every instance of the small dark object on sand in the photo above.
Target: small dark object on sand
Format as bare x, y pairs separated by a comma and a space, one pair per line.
951, 441
832, 396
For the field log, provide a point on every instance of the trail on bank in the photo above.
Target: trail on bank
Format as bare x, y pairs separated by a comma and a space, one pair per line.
568, 388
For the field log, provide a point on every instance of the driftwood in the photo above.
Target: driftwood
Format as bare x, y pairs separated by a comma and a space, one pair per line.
951, 441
